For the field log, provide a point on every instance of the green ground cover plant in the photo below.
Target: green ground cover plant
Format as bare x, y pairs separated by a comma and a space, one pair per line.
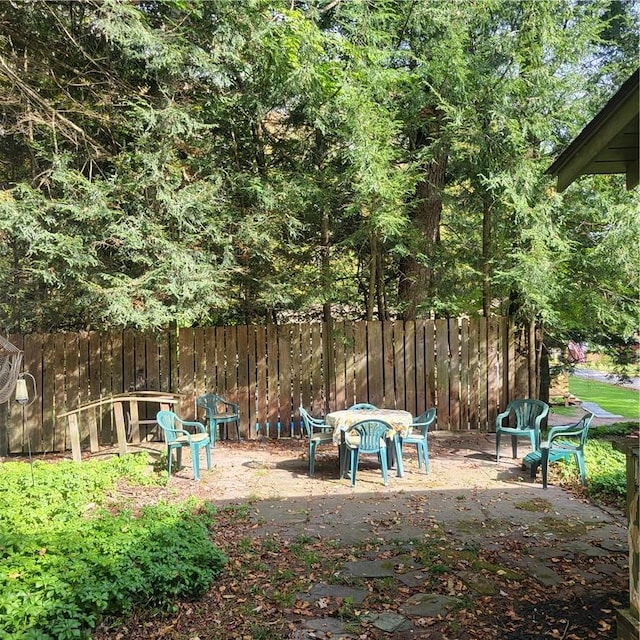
69, 558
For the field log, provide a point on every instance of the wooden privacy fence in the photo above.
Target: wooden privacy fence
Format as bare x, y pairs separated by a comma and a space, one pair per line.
467, 368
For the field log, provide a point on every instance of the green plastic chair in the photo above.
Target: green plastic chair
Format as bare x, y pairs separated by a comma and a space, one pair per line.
318, 432
368, 437
177, 437
419, 437
556, 449
529, 416
220, 413
363, 406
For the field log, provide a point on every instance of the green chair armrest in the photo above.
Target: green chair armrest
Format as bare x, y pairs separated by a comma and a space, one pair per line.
199, 425
563, 430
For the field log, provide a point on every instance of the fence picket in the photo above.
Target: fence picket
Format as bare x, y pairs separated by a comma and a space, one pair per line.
284, 378
473, 374
47, 391
60, 434
454, 375
482, 373
128, 361
272, 380
33, 413
420, 367
296, 373
200, 361
152, 362
410, 367
186, 373
442, 372
362, 388
243, 373
340, 364
465, 374
261, 360
493, 369
375, 363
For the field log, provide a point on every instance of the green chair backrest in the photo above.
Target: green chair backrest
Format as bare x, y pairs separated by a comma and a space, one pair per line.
212, 403
310, 423
580, 431
425, 420
527, 411
372, 435
167, 421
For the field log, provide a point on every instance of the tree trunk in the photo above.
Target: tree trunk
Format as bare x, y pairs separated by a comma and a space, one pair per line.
373, 263
486, 257
544, 376
382, 298
325, 266
327, 313
418, 280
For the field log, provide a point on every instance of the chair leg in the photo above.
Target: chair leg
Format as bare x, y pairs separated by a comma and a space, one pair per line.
498, 445
179, 457
397, 446
354, 455
169, 457
425, 448
195, 461
208, 450
213, 429
545, 465
514, 446
238, 430
533, 469
391, 456
385, 470
582, 467
312, 459
423, 456
344, 455
344, 458
419, 454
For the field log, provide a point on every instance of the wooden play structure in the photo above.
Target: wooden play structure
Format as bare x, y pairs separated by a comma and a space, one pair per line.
126, 415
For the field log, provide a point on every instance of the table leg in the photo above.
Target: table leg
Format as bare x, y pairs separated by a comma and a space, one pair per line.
394, 455
397, 447
344, 456
391, 454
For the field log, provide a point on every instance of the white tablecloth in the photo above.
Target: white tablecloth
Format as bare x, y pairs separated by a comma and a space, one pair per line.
400, 421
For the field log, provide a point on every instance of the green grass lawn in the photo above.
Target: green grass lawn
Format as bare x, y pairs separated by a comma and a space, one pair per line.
615, 399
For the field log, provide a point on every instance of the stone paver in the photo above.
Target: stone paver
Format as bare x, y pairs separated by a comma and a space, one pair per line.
319, 591
429, 605
390, 622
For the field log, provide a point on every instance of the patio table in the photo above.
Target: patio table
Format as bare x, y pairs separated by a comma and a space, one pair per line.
399, 421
